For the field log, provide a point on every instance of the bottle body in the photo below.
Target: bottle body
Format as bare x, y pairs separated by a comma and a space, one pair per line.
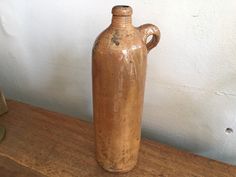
119, 70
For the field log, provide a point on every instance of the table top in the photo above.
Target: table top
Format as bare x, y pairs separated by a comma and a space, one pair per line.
41, 143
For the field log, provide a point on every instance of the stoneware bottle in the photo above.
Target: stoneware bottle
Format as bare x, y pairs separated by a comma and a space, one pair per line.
119, 62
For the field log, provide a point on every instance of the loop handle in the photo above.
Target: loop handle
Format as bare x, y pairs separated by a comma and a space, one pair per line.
147, 30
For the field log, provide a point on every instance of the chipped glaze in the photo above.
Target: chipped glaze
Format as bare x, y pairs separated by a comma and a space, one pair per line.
119, 62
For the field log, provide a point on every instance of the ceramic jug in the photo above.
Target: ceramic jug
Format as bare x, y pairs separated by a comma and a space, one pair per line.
119, 60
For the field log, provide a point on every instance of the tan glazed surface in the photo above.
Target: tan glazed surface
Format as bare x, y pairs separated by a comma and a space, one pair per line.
119, 69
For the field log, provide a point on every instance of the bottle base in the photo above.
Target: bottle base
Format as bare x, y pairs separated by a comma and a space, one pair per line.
115, 170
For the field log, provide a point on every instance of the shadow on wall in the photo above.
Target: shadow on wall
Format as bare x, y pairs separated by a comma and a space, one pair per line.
193, 119
62, 84
13, 67
177, 119
66, 87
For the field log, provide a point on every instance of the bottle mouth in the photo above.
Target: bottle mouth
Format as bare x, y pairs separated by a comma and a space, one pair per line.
122, 10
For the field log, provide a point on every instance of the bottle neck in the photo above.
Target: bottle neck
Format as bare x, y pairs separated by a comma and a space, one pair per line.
121, 21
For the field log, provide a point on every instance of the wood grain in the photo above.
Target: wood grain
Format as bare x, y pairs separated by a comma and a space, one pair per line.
43, 143
9, 168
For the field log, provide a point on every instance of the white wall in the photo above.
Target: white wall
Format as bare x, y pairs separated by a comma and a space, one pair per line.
190, 99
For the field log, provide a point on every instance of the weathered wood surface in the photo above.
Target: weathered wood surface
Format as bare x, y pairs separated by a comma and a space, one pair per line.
41, 143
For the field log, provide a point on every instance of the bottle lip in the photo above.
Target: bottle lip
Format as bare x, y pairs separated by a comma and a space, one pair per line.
122, 10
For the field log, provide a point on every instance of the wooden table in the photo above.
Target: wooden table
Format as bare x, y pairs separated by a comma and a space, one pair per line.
42, 143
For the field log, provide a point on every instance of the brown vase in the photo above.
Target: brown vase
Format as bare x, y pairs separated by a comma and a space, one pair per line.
119, 68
